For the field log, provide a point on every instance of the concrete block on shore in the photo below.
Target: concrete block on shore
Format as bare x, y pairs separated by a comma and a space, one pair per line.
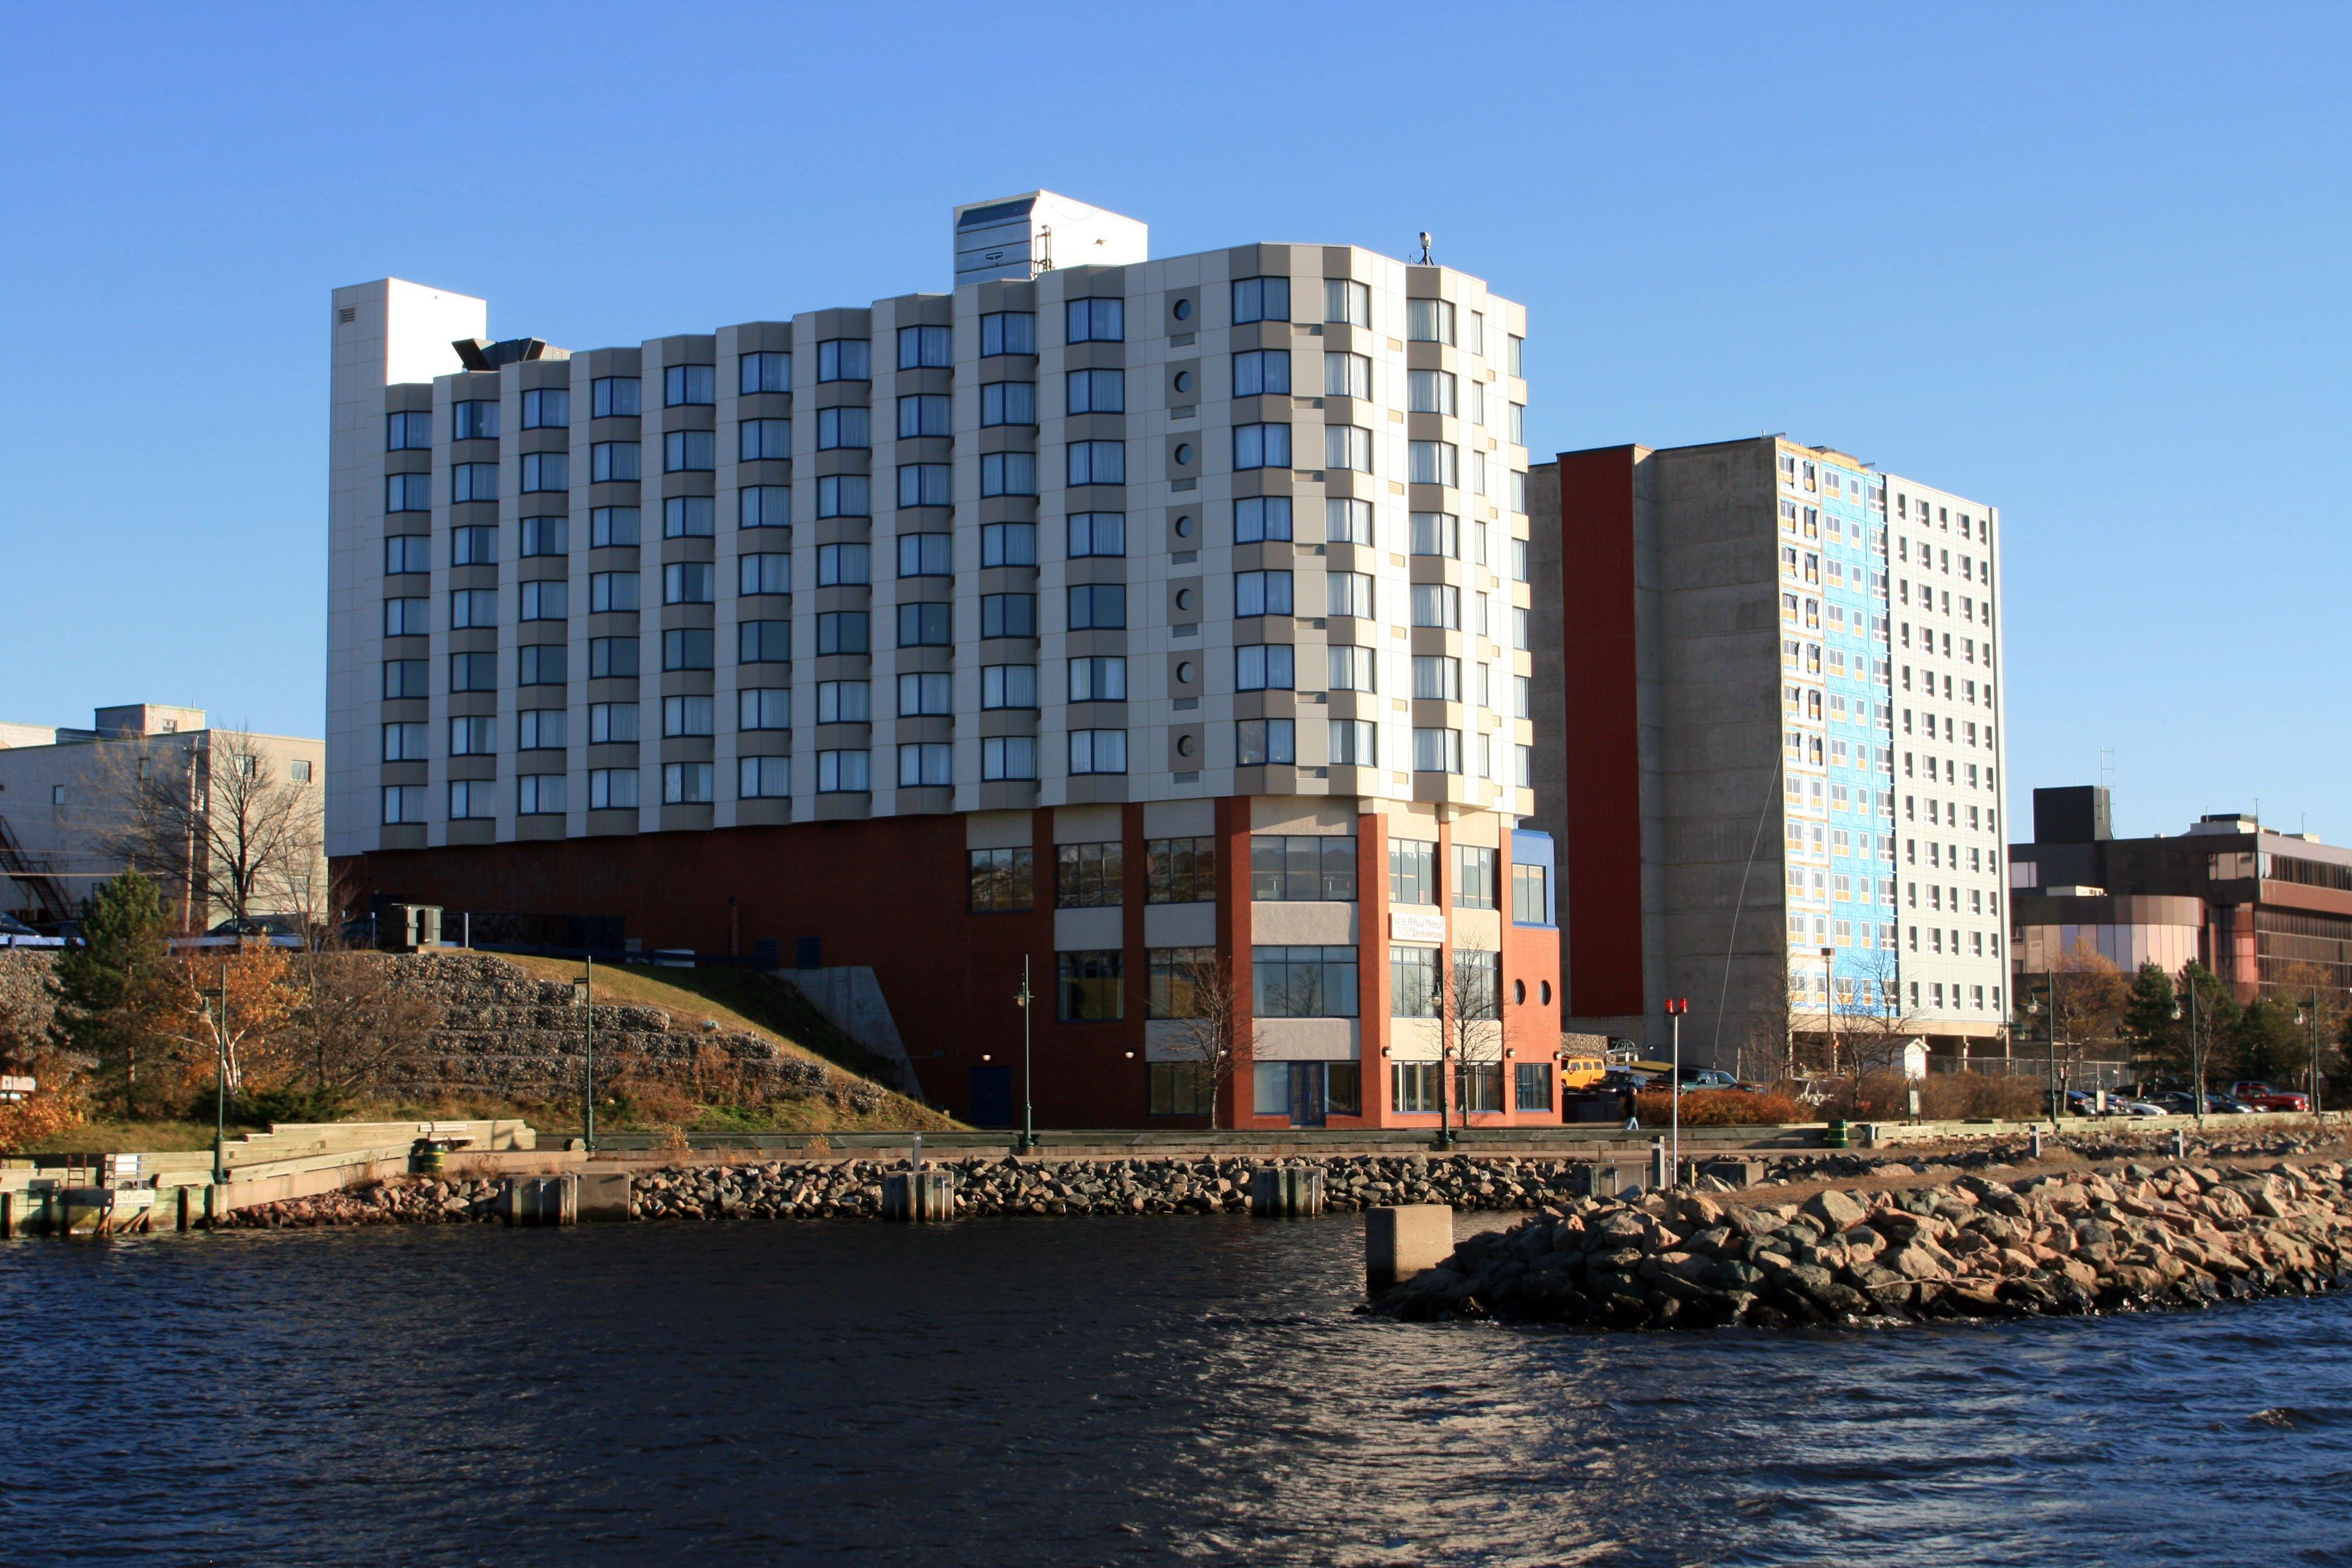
1405, 1241
1287, 1191
539, 1200
602, 1195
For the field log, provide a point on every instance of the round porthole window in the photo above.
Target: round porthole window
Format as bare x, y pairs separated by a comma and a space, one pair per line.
1183, 598
1544, 989
1185, 526
1518, 990
1183, 381
1183, 455
1184, 673
1183, 310
1184, 745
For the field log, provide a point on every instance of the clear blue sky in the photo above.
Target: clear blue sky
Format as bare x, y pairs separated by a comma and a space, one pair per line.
2088, 264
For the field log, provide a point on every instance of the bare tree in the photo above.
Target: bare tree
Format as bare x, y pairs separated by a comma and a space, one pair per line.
1213, 1028
1473, 1030
356, 1024
218, 826
1872, 1024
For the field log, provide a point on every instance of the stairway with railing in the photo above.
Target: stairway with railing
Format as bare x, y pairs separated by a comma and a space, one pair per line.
49, 903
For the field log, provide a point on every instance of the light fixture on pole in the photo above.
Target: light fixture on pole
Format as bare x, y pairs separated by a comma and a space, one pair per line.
1677, 1008
583, 996
1025, 999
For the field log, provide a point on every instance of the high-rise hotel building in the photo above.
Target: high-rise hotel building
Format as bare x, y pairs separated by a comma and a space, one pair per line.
1104, 612
1771, 747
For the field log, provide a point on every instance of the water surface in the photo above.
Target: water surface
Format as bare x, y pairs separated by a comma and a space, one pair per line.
1090, 1390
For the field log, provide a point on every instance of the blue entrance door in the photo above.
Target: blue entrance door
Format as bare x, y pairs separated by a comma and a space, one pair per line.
991, 1097
1307, 1094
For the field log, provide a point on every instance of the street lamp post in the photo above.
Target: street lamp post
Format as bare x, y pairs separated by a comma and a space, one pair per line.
1676, 1009
1027, 1001
584, 993
218, 1009
1829, 1005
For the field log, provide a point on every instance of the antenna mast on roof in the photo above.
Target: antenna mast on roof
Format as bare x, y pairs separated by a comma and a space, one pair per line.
1044, 249
1426, 258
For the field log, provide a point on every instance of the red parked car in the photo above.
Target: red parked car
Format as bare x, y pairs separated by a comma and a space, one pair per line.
2263, 1096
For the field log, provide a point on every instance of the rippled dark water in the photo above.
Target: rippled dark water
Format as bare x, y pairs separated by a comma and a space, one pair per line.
1089, 1392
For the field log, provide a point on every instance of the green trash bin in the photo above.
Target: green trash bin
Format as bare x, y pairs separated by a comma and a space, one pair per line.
1834, 1136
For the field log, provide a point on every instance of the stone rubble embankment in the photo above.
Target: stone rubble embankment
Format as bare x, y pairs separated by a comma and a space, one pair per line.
2179, 1235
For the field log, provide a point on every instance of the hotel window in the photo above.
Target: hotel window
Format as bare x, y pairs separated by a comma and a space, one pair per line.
843, 632
612, 789
1261, 372
1350, 668
1518, 425
1261, 518
764, 506
539, 794
763, 778
925, 766
689, 385
1436, 534
843, 565
764, 708
844, 359
1412, 871
1008, 757
1098, 750
1261, 447
920, 695
1346, 302
844, 701
1261, 667
842, 427
474, 421
1476, 881
1261, 742
611, 723
926, 554
689, 582
1355, 744
614, 527
683, 451
685, 783
1000, 879
1008, 686
1098, 678
1429, 391
1087, 987
684, 716
1434, 463
1093, 605
1096, 463
851, 495
1428, 320
1008, 403
844, 772
612, 658
544, 601
546, 536
1180, 871
1094, 391
1261, 594
407, 618
1302, 867
1436, 677
1261, 300
771, 572
1413, 1086
473, 737
926, 348
1008, 544
1008, 474
761, 440
925, 626
1095, 321
1098, 533
1436, 750
408, 432
1304, 982
615, 397
612, 591
406, 742
1172, 980
1437, 604
1089, 876
408, 492
1348, 446
1014, 615
926, 413
1008, 332
1350, 593
1530, 895
692, 648
404, 804
764, 372
1347, 375
1414, 988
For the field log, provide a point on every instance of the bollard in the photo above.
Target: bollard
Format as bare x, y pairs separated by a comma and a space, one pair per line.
1287, 1192
2180, 1143
1404, 1241
8, 1216
918, 1197
1658, 1164
2033, 1143
183, 1210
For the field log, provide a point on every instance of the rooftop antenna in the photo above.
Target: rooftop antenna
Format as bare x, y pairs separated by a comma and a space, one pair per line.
1045, 248
1426, 258
2106, 767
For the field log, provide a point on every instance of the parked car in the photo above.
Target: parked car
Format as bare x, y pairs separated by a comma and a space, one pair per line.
14, 932
1707, 1078
2263, 1096
2135, 1107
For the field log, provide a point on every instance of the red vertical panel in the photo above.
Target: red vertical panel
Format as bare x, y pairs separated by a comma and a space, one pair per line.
1602, 902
